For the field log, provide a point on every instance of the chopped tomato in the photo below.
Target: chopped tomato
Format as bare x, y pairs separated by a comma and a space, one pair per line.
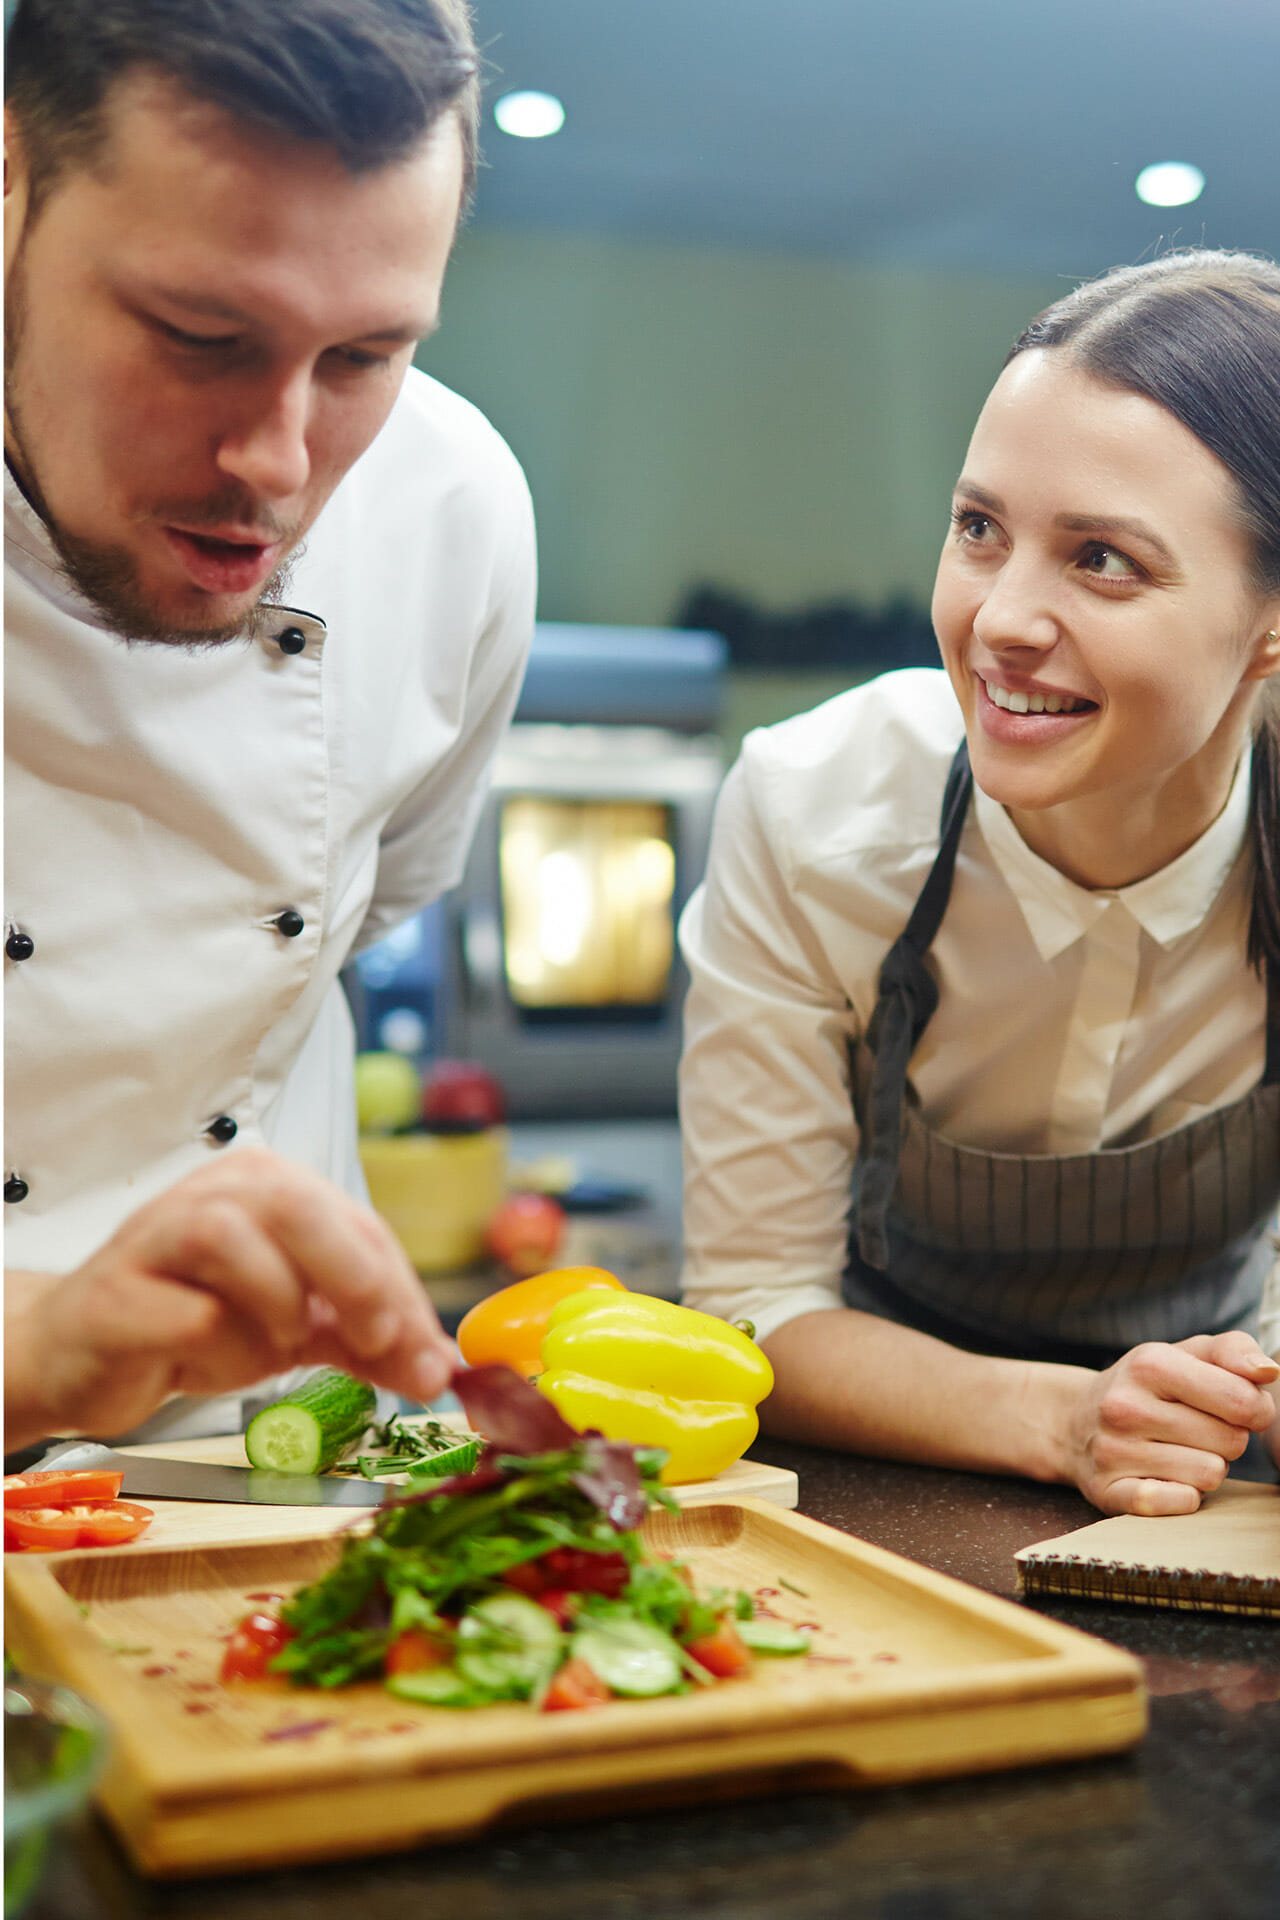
575, 1685
559, 1602
252, 1647
413, 1651
54, 1529
723, 1652
582, 1572
85, 1487
528, 1578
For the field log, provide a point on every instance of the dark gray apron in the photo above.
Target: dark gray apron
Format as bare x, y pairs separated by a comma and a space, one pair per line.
1074, 1257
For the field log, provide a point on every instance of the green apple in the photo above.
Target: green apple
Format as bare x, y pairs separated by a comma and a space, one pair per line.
387, 1092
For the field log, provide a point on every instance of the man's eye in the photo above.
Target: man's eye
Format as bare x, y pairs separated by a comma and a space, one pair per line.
359, 358
197, 341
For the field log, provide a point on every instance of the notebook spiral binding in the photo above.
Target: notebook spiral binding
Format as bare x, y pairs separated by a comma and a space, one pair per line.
1193, 1589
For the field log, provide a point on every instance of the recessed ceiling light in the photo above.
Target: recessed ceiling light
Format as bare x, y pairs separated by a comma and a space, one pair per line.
1170, 183
529, 116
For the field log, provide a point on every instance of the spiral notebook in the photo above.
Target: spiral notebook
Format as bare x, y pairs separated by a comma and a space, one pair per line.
1225, 1558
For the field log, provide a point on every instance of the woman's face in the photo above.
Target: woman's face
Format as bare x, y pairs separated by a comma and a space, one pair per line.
1096, 615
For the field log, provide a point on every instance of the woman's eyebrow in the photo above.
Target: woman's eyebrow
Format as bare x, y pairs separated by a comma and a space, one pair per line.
1114, 523
1098, 523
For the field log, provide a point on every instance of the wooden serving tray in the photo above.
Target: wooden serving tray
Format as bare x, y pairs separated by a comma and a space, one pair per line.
911, 1675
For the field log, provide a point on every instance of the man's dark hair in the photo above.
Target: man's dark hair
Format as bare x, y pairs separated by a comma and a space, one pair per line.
1198, 332
367, 78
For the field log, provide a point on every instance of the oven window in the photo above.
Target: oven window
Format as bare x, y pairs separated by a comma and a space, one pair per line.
587, 903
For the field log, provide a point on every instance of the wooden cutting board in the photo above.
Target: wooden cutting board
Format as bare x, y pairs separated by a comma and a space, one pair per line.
191, 1522
911, 1675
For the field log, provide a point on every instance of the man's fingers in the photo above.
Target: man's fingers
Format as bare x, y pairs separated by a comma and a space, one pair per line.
216, 1244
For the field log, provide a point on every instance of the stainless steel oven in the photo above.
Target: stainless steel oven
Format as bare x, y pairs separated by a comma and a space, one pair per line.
554, 962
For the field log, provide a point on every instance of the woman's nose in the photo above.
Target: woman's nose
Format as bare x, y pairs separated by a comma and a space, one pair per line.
1017, 610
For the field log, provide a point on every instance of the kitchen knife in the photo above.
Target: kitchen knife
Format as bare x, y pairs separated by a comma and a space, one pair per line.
155, 1479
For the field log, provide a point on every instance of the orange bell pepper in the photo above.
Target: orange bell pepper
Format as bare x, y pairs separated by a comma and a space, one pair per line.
506, 1328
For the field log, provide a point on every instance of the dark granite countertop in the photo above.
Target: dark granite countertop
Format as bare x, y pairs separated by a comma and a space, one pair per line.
1186, 1827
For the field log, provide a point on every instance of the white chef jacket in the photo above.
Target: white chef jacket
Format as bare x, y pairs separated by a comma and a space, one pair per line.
1068, 1019
165, 805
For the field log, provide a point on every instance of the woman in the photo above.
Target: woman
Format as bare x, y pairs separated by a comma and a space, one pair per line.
997, 951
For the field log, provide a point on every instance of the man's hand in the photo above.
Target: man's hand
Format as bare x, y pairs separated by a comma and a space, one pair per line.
1156, 1431
244, 1269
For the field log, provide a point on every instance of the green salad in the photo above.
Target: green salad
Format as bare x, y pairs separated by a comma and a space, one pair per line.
524, 1578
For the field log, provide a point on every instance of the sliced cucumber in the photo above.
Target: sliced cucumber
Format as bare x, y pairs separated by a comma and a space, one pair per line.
307, 1430
433, 1687
772, 1636
507, 1644
459, 1459
630, 1656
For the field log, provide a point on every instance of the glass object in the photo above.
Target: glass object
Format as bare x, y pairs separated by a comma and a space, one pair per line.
55, 1744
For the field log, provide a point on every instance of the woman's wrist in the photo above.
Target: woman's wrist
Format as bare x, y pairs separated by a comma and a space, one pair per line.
1047, 1410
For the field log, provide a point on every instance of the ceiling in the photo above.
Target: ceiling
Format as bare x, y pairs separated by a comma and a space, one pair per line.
998, 136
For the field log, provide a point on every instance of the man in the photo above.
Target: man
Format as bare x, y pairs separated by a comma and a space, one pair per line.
269, 594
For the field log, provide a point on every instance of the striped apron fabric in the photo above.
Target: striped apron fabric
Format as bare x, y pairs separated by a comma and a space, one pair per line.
1073, 1257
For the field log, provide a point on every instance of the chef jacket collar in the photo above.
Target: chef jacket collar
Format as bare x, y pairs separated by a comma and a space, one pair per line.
1167, 904
30, 549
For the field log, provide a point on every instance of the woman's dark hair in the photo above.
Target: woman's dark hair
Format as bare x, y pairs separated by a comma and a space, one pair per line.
368, 78
1198, 332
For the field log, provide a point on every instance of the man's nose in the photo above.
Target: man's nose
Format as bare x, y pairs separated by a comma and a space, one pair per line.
267, 449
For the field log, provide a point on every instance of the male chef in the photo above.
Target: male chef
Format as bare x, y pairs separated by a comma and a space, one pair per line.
269, 593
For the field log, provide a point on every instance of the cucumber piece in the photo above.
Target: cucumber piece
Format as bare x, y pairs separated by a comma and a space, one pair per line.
457, 1456
433, 1687
507, 1644
630, 1656
307, 1430
433, 1466
772, 1636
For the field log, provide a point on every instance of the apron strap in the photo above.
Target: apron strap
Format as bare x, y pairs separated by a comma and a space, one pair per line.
1271, 1071
908, 995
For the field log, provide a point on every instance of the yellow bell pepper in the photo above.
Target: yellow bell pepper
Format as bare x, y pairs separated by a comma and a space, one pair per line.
658, 1375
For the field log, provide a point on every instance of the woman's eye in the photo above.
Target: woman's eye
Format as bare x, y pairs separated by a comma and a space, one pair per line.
1106, 563
969, 526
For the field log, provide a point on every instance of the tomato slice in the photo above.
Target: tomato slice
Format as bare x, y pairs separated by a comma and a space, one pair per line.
723, 1652
82, 1487
560, 1602
253, 1646
583, 1572
54, 1529
575, 1685
413, 1651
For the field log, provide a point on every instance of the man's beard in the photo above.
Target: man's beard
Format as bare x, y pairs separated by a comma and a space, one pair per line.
107, 576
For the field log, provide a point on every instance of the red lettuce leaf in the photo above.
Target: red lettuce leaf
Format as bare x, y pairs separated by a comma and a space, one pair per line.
513, 1416
610, 1479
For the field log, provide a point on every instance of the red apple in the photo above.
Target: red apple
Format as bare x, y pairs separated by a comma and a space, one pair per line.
460, 1097
525, 1232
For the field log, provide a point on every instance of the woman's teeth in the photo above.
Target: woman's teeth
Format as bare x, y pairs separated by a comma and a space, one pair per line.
1033, 702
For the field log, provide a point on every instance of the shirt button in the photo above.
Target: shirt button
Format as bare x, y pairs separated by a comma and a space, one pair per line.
19, 945
222, 1129
291, 640
290, 923
15, 1188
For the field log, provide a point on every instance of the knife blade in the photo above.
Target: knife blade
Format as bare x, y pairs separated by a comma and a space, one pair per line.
158, 1479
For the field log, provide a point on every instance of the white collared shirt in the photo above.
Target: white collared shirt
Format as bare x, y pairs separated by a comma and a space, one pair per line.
164, 806
1068, 1020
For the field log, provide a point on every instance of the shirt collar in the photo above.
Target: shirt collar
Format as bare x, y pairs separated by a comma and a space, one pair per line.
1167, 904
29, 549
